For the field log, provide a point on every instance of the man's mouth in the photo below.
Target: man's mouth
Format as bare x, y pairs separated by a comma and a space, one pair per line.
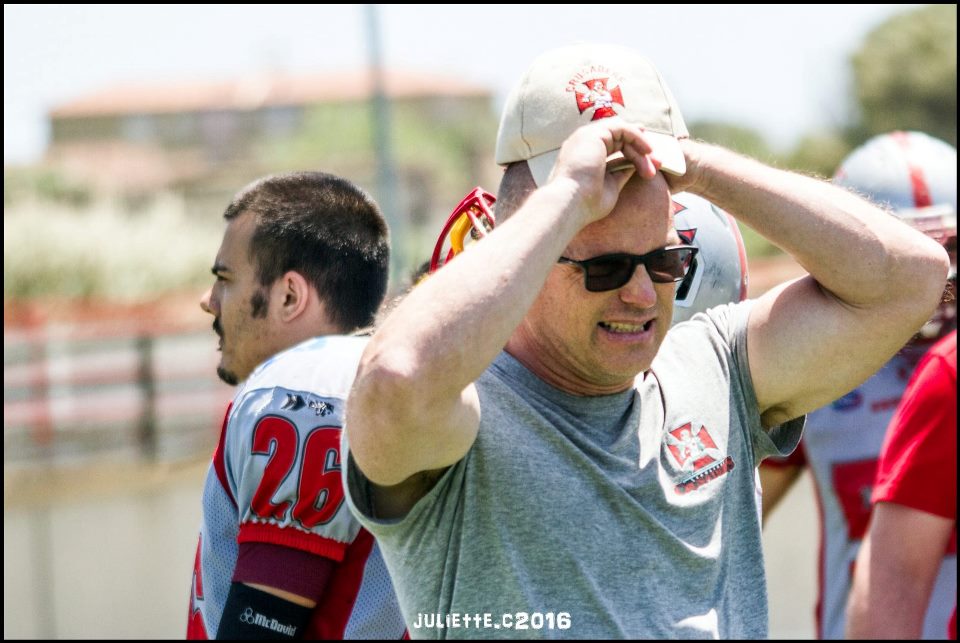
219, 331
622, 328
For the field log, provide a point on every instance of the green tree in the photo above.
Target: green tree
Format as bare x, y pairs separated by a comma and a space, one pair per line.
819, 154
441, 149
735, 137
905, 75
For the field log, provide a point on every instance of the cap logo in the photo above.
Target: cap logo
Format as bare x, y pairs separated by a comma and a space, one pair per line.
597, 88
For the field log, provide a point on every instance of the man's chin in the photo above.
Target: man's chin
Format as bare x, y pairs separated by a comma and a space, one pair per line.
226, 376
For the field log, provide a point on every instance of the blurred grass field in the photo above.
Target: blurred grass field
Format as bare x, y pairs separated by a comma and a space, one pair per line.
107, 552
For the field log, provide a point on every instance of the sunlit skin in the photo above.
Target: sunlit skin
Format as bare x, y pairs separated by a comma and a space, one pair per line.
245, 339
590, 343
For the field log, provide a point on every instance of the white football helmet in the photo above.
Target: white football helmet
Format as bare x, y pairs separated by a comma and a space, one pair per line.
903, 171
719, 272
915, 176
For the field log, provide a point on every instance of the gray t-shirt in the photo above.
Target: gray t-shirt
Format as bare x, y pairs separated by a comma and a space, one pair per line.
634, 515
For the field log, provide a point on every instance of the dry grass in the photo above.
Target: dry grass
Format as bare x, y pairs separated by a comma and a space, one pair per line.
39, 485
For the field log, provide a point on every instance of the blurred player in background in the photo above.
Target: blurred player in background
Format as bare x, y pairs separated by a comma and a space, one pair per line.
303, 264
900, 567
916, 177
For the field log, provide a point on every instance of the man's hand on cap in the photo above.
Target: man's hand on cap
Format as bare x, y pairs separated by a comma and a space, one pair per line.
692, 151
583, 160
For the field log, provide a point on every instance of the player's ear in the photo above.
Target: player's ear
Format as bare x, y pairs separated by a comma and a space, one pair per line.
294, 294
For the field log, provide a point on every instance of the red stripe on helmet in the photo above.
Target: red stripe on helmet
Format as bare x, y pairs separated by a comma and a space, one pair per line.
921, 190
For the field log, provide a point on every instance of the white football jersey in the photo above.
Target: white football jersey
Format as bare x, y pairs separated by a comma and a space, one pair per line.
275, 478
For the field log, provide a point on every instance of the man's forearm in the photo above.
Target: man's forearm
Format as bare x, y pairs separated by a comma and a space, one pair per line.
416, 410
855, 250
896, 570
896, 615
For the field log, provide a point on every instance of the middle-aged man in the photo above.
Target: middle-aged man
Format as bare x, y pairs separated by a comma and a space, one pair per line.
535, 454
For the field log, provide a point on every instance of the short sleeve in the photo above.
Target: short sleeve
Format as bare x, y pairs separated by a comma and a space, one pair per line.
796, 459
732, 322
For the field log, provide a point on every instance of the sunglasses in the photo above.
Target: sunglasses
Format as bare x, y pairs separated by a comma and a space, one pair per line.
609, 272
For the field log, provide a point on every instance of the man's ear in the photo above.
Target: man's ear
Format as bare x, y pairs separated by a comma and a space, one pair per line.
294, 293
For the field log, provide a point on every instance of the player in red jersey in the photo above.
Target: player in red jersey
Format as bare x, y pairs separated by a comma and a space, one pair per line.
915, 509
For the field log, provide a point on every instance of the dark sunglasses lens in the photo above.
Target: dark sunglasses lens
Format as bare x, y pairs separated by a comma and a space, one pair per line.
607, 274
669, 265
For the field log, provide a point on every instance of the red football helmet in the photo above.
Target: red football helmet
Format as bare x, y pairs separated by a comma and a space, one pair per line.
472, 215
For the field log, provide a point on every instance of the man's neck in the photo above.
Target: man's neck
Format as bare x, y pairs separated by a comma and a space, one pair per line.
557, 374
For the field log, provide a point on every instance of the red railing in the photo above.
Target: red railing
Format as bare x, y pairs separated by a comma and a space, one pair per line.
78, 390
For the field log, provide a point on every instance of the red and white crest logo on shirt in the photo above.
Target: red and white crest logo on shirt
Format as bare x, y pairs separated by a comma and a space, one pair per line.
693, 449
599, 89
697, 456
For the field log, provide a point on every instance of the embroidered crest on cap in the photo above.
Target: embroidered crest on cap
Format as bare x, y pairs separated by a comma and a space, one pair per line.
597, 88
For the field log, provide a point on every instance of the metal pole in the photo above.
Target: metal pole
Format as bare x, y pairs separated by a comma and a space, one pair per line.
40, 518
386, 174
147, 433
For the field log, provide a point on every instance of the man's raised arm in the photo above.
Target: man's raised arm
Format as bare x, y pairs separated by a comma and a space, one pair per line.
873, 280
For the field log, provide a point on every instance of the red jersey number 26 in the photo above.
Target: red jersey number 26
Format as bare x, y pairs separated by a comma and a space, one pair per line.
320, 492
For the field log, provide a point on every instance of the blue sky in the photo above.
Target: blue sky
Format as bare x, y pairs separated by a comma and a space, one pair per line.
781, 69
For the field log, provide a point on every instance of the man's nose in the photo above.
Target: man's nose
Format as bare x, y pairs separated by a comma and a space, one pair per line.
205, 301
640, 290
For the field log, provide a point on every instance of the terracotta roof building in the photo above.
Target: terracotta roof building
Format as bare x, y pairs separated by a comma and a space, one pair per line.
213, 136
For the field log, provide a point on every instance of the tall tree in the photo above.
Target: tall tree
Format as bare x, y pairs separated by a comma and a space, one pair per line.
905, 74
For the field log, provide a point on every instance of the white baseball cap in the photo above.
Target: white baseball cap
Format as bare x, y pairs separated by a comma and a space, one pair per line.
569, 87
